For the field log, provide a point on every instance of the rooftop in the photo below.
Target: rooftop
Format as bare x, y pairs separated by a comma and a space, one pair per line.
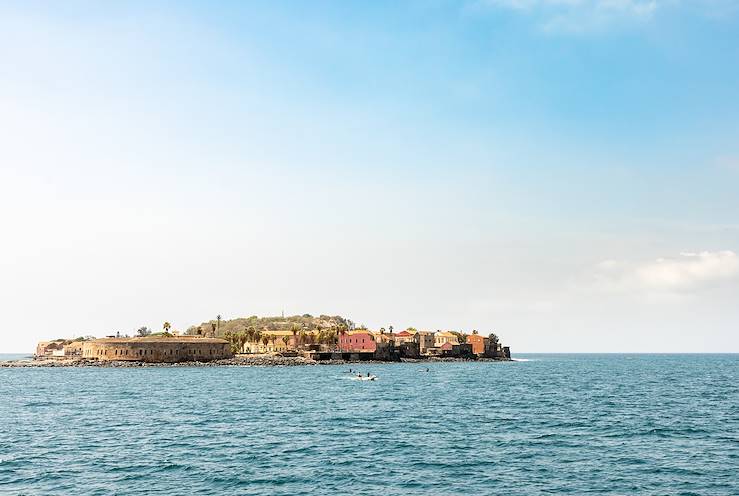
161, 339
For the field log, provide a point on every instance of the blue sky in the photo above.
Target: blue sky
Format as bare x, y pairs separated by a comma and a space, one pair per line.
562, 172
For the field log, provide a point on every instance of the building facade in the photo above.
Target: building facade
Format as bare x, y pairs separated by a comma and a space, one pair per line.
404, 337
358, 341
425, 340
443, 337
478, 343
157, 349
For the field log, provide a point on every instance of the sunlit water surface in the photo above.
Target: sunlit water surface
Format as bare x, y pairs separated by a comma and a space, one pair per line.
555, 424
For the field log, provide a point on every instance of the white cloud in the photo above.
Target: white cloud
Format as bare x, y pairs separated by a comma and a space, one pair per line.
685, 273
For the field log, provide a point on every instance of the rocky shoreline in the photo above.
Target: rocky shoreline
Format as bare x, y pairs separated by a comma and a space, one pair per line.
238, 361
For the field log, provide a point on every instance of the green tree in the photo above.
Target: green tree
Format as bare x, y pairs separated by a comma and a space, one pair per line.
340, 332
229, 336
243, 339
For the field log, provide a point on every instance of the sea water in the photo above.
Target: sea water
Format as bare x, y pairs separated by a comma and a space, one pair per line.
554, 424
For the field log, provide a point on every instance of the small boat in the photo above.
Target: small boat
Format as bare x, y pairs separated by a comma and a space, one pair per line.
365, 378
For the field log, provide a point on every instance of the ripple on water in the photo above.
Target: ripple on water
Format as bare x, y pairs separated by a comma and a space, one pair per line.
551, 424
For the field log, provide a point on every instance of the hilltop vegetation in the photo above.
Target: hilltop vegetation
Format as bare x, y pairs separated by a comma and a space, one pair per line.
305, 322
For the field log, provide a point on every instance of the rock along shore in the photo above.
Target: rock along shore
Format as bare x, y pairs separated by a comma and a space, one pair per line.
238, 361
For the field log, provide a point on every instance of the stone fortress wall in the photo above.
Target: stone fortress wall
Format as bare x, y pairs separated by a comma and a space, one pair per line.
157, 349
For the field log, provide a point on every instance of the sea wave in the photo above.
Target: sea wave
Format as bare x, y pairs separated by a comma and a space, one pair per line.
597, 424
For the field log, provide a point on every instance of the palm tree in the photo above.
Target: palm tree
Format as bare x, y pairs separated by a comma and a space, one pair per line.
232, 340
391, 329
285, 339
341, 332
242, 341
326, 336
248, 335
218, 322
166, 327
295, 328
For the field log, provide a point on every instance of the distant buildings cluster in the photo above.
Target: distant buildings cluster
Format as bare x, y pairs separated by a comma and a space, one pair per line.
319, 338
364, 343
59, 348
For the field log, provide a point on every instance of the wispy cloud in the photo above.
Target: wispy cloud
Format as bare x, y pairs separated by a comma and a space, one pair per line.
685, 273
728, 162
579, 16
634, 7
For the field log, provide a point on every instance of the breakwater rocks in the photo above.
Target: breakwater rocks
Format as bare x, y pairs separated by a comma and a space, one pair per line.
238, 361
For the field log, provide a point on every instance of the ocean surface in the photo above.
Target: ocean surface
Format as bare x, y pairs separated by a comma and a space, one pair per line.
550, 424
6, 357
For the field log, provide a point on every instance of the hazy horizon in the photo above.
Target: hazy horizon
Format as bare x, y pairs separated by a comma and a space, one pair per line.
564, 174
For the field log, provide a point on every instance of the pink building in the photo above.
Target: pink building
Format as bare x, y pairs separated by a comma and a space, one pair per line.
357, 341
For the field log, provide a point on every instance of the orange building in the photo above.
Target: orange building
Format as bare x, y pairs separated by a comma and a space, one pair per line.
477, 342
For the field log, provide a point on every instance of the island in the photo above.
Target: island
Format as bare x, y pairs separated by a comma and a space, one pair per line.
296, 340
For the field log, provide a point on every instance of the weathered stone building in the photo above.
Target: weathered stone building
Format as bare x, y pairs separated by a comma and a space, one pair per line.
157, 349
